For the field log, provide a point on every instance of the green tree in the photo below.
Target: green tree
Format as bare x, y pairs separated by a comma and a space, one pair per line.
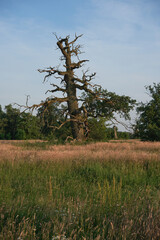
17, 125
29, 126
12, 116
2, 123
51, 117
115, 104
148, 124
20, 134
97, 129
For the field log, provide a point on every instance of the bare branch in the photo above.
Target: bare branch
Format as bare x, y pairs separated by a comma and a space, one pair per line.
57, 89
47, 103
51, 71
76, 37
68, 120
86, 89
88, 78
123, 124
69, 137
78, 64
56, 36
75, 50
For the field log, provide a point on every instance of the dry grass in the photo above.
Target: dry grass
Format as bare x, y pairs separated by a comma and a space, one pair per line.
130, 150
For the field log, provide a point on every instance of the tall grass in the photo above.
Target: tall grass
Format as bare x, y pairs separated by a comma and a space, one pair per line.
96, 191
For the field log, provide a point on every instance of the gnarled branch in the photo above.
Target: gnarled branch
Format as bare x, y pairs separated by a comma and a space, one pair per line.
57, 89
76, 37
78, 64
51, 71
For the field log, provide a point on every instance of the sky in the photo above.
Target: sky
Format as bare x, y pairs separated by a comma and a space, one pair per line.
121, 39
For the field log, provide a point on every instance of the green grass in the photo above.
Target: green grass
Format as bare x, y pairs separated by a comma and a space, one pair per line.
79, 199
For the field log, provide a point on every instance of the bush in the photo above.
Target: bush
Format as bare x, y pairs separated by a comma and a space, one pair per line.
97, 129
20, 135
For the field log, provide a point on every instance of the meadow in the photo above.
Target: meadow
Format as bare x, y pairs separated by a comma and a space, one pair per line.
96, 191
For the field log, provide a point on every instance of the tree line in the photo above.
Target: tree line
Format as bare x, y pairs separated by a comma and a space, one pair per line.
45, 124
17, 125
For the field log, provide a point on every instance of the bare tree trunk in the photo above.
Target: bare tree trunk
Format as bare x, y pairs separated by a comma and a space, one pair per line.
115, 132
76, 125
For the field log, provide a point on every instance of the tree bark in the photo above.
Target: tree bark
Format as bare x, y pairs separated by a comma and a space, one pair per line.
76, 125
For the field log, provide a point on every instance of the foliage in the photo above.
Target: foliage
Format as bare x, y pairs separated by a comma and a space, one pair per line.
44, 125
30, 124
51, 117
2, 124
148, 124
17, 125
115, 104
124, 135
12, 116
97, 129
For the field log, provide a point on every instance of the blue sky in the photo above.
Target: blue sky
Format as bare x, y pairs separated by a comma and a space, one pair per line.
121, 39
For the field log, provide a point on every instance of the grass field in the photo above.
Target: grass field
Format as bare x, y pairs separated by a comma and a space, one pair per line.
94, 191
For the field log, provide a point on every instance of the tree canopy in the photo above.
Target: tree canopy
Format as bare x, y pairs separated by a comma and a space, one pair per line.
148, 123
17, 125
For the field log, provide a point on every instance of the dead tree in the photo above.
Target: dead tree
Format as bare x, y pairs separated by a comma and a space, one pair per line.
78, 109
76, 112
